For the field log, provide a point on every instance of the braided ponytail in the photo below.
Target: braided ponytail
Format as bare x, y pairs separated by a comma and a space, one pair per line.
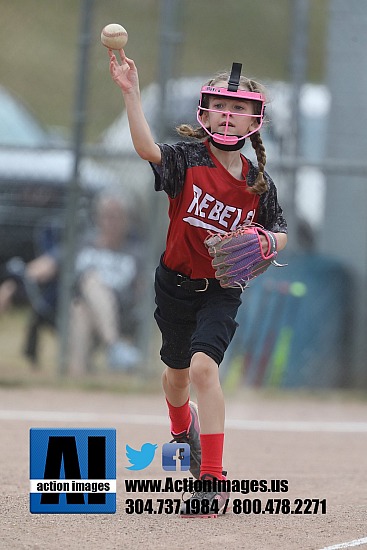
260, 186
186, 130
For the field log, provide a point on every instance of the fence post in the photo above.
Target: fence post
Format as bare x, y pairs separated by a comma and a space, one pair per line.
70, 229
170, 37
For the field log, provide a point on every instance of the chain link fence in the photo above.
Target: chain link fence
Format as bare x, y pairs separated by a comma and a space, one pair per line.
51, 188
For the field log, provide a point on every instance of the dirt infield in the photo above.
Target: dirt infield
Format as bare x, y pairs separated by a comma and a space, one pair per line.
318, 444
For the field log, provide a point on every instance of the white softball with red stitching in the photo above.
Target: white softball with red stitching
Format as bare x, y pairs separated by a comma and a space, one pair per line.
114, 36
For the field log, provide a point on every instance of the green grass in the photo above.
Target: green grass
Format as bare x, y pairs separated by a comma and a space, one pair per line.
39, 48
16, 371
14, 368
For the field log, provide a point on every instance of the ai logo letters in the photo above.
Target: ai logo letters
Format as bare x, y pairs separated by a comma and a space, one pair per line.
72, 470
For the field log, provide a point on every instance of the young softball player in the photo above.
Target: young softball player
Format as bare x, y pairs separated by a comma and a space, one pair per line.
210, 186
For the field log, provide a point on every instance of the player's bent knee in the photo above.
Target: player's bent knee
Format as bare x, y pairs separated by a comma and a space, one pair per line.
203, 371
176, 378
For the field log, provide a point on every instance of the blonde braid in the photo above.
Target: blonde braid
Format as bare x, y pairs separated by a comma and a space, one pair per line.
260, 185
186, 130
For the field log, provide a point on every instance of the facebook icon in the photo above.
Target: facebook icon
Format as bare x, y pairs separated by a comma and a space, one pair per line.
176, 457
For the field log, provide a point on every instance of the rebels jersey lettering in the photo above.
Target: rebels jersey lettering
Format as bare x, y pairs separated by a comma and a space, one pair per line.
204, 196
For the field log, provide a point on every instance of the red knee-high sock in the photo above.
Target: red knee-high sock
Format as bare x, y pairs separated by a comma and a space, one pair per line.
212, 454
180, 417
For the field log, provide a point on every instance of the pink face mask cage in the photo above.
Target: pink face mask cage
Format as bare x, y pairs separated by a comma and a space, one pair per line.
232, 92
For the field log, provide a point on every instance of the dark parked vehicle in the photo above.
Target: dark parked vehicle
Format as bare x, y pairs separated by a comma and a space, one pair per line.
35, 171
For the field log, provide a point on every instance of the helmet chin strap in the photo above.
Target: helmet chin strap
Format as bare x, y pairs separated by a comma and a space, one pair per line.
228, 147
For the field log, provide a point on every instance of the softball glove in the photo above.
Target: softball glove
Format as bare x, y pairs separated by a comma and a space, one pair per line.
238, 255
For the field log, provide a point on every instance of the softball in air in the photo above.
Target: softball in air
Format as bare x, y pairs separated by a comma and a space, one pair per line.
114, 36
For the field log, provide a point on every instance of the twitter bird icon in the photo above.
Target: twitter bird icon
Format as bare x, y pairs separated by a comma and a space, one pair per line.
140, 459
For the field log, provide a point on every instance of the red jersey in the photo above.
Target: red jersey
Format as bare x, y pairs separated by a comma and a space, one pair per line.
204, 196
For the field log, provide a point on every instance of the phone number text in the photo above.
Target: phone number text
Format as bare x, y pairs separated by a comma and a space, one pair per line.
279, 506
284, 506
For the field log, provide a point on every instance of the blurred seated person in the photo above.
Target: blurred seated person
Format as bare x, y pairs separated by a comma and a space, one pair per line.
105, 295
35, 282
106, 291
40, 271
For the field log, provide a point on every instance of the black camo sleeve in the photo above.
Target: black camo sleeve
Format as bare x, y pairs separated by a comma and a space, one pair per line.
176, 159
270, 212
170, 175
